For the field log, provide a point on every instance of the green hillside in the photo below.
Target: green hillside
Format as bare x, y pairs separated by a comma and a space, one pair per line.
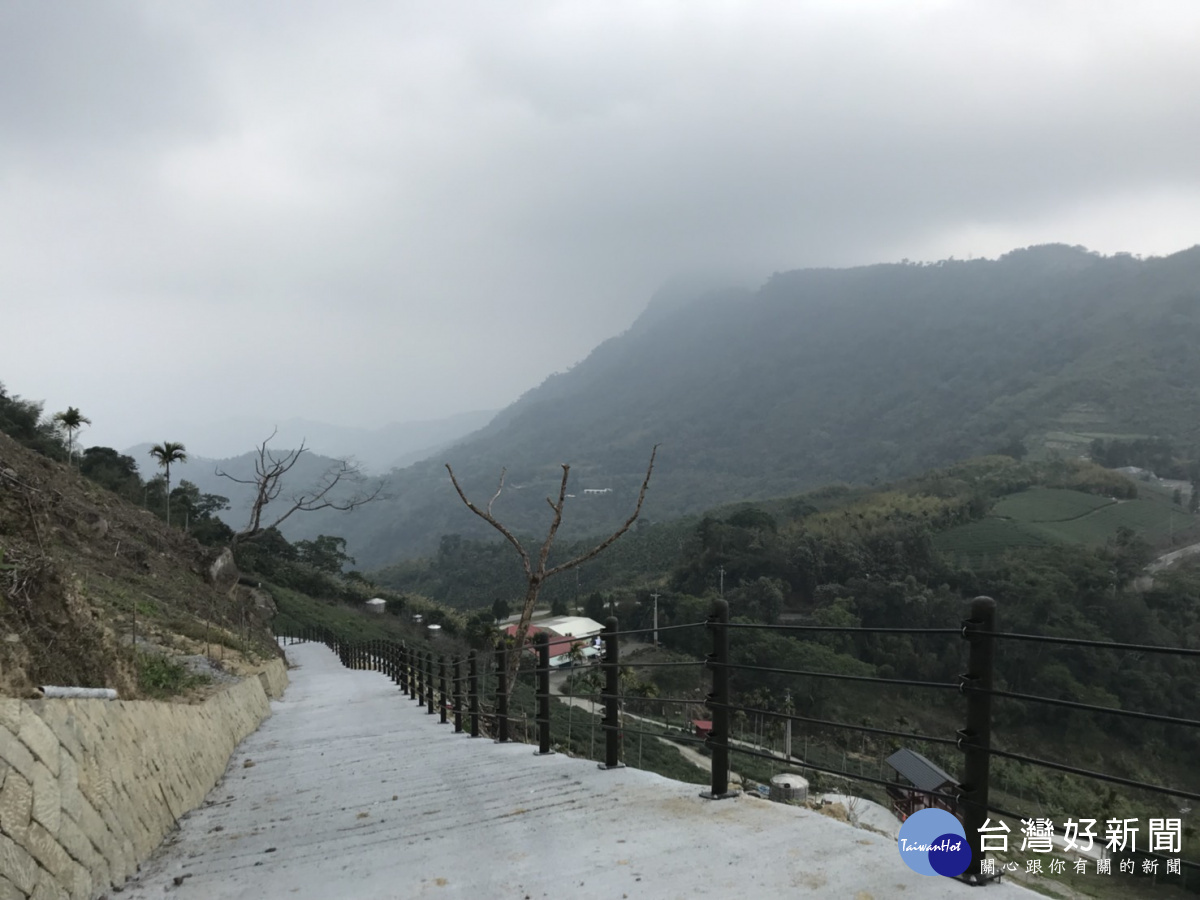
972, 513
858, 375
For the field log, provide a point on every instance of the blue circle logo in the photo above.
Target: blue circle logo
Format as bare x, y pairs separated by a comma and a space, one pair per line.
932, 842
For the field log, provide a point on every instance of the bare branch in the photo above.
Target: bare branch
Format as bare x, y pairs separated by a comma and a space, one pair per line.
503, 472
570, 564
319, 498
486, 515
269, 470
536, 577
217, 471
558, 511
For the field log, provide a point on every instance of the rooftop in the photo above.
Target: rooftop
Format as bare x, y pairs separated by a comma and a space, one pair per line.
576, 626
923, 774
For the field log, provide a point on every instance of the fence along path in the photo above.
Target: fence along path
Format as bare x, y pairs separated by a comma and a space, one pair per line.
355, 791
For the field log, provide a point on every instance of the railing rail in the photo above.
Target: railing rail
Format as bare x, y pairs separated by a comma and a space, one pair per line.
469, 694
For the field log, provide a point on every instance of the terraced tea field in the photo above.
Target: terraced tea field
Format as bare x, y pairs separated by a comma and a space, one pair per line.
1048, 505
1153, 521
1042, 516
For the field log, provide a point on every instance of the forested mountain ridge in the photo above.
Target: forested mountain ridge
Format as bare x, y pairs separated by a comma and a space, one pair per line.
827, 375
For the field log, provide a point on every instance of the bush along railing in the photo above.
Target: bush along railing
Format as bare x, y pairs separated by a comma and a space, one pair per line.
476, 692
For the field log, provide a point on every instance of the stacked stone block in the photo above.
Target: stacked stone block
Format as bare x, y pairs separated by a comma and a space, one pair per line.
89, 788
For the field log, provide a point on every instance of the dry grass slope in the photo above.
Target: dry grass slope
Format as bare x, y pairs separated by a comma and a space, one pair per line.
92, 586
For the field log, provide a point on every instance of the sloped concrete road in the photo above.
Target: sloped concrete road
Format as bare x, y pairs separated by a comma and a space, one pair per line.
350, 790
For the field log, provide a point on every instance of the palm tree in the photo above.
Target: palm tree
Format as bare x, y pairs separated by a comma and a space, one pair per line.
166, 453
71, 420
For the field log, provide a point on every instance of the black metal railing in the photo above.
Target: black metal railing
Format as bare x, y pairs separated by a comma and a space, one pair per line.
478, 689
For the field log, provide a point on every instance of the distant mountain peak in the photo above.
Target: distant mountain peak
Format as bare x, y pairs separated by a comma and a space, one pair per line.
681, 291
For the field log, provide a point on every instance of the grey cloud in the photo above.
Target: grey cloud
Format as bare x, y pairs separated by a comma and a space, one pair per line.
399, 210
78, 77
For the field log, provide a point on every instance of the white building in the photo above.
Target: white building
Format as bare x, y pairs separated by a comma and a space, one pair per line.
571, 626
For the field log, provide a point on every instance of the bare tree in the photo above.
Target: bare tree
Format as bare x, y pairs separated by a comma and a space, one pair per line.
269, 470
536, 573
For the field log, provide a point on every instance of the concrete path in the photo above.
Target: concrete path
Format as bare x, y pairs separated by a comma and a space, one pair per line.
351, 790
1169, 559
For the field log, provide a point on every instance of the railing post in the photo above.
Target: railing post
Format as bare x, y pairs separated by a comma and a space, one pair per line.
430, 693
718, 701
443, 695
501, 692
611, 695
405, 685
976, 739
419, 674
414, 677
542, 643
458, 695
473, 690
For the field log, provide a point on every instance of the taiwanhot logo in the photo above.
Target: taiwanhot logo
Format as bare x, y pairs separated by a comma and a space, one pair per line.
932, 842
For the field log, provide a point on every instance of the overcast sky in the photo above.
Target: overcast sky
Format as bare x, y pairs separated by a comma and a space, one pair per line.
363, 212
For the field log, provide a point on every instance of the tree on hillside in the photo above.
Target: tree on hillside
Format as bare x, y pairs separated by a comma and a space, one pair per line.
481, 630
327, 553
113, 470
71, 421
22, 420
267, 555
269, 470
166, 453
536, 573
200, 513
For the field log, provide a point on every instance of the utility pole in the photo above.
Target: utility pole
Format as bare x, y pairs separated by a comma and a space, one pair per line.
655, 596
722, 570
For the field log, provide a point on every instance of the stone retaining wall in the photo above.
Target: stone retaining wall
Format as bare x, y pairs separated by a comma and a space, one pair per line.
91, 787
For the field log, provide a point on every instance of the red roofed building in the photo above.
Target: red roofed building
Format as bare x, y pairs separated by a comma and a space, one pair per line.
560, 645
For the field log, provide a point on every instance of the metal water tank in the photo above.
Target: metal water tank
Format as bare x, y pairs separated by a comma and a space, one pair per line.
789, 788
